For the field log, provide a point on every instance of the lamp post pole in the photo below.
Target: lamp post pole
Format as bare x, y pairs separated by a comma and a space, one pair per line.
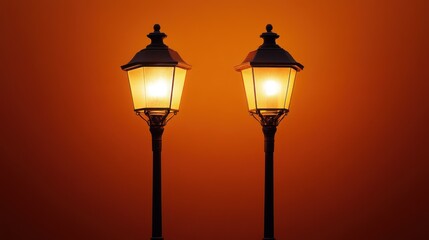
156, 130
269, 133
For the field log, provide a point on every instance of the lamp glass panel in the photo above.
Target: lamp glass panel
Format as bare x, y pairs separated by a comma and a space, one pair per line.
272, 87
247, 75
179, 82
151, 86
138, 93
290, 87
158, 86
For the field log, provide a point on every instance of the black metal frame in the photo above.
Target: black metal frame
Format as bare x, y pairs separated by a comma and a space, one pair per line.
269, 54
156, 54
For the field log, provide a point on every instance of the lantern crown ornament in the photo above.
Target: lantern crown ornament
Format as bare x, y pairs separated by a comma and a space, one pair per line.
156, 75
269, 54
156, 53
269, 75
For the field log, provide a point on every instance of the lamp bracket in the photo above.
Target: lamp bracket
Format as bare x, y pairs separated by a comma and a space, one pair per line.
269, 117
157, 117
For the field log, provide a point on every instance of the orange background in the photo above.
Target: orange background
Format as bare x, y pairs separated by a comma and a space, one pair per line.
351, 159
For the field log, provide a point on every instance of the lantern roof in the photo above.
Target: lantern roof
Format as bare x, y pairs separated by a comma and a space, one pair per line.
269, 54
156, 53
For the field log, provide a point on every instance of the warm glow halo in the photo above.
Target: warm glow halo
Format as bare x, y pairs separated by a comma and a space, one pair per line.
271, 87
158, 88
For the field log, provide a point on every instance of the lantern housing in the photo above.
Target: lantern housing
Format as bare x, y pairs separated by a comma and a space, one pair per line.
268, 75
156, 76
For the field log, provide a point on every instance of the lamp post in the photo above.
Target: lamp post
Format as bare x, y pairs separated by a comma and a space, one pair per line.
156, 75
268, 75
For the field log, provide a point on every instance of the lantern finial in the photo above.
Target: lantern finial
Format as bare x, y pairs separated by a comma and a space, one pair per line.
157, 38
269, 38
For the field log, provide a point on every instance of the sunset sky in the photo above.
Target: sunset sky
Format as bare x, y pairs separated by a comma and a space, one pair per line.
351, 158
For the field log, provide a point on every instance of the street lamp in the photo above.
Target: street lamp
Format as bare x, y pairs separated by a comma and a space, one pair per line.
156, 75
269, 75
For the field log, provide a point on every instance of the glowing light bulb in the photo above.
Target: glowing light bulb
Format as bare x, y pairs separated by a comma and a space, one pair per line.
271, 87
158, 89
